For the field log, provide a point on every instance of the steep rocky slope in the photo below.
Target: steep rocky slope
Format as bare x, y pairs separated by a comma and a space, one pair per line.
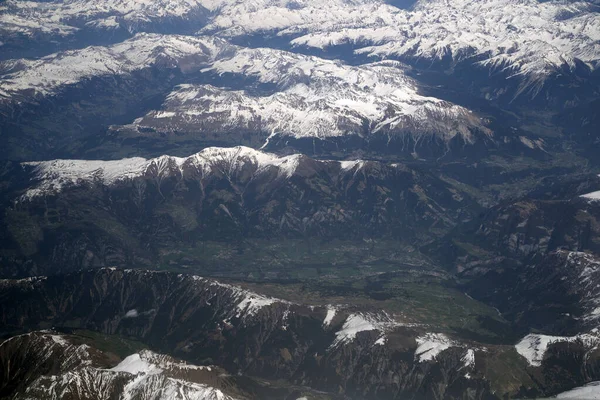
535, 259
67, 368
323, 347
561, 214
78, 214
416, 213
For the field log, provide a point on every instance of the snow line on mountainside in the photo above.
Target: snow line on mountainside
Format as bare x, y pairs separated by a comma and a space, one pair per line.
52, 177
533, 347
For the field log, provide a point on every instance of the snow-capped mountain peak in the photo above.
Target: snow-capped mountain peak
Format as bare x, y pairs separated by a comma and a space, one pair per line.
47, 75
53, 176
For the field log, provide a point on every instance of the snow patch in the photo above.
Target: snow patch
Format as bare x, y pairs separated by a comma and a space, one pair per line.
253, 302
60, 340
430, 345
533, 347
593, 196
331, 311
131, 313
381, 341
363, 322
468, 359
134, 364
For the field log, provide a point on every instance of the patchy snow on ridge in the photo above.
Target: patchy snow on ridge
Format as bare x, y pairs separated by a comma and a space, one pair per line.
468, 359
31, 18
331, 311
55, 176
247, 303
430, 345
524, 37
533, 347
315, 98
133, 313
252, 302
148, 362
48, 74
582, 271
381, 341
315, 106
593, 196
363, 322
134, 364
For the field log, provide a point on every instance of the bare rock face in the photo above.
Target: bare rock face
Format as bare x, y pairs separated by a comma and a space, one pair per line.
432, 164
140, 208
66, 369
340, 349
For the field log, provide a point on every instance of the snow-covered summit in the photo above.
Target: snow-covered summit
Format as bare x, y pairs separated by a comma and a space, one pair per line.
46, 75
53, 176
526, 36
533, 347
364, 322
593, 196
313, 98
65, 18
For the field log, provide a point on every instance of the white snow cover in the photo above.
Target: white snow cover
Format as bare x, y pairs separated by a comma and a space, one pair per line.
56, 175
362, 322
381, 341
524, 36
133, 313
533, 347
148, 362
134, 364
594, 196
32, 17
468, 359
52, 177
153, 379
180, 389
247, 303
47, 74
331, 311
591, 391
430, 345
314, 98
252, 302
47, 344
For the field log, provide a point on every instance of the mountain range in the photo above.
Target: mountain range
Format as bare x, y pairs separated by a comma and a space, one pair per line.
299, 199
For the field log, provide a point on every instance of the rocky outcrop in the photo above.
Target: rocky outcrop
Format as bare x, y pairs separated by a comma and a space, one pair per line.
45, 364
347, 350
